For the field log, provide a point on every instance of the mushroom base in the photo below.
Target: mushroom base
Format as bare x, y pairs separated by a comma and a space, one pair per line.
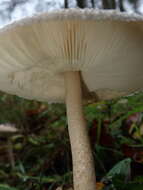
83, 164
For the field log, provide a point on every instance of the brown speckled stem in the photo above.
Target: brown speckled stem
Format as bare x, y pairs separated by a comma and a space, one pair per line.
83, 165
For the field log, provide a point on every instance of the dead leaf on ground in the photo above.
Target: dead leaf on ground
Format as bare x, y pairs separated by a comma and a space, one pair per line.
99, 186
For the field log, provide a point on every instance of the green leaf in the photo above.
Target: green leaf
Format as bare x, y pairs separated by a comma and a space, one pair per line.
138, 179
133, 187
120, 184
6, 187
121, 168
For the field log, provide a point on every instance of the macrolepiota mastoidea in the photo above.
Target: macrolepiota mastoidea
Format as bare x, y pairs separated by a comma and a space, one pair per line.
63, 55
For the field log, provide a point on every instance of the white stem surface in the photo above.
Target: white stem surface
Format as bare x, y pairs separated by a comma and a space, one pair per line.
83, 164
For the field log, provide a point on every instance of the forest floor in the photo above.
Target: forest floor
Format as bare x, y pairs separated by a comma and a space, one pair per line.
38, 156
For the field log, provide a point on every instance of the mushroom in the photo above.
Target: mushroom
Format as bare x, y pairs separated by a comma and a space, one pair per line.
68, 55
7, 131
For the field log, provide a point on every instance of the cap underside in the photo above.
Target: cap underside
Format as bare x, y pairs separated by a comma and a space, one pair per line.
36, 51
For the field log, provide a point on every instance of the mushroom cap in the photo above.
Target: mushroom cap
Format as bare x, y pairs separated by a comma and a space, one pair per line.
106, 46
7, 129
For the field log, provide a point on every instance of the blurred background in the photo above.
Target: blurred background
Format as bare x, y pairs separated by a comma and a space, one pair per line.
38, 156
15, 9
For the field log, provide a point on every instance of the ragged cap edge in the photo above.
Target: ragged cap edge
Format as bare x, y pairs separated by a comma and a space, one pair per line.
75, 13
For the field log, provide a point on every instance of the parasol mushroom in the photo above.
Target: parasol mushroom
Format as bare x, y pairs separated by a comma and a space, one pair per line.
63, 56
7, 131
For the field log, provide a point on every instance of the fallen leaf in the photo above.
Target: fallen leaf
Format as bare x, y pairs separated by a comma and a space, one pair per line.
99, 186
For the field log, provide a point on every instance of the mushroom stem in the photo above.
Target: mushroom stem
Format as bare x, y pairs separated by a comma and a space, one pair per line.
10, 154
83, 164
